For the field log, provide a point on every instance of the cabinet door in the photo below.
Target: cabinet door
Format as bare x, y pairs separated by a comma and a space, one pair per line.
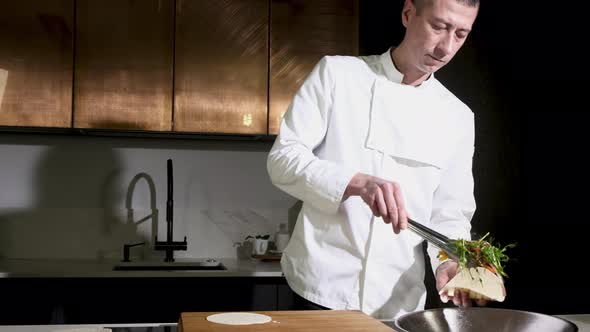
36, 63
221, 67
302, 31
124, 55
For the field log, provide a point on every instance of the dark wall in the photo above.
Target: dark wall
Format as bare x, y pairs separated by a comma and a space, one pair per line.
529, 146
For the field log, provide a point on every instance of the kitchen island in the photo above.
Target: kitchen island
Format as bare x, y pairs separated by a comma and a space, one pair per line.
582, 321
84, 292
73, 293
312, 321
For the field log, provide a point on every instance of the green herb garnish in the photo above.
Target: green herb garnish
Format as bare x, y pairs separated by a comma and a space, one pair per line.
482, 253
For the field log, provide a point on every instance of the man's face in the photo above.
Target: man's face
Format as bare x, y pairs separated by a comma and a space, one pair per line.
435, 34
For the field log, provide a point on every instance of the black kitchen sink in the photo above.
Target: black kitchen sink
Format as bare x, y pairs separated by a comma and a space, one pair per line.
173, 266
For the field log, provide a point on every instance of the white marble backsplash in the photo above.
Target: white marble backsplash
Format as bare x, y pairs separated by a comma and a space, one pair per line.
84, 197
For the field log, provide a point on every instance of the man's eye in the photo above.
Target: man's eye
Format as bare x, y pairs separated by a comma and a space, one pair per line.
438, 27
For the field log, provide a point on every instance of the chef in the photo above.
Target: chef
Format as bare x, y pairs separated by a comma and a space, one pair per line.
366, 143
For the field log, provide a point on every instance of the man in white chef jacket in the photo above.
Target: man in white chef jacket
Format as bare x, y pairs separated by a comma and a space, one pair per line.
366, 143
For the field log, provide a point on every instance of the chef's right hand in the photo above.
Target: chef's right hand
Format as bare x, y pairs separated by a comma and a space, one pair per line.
383, 197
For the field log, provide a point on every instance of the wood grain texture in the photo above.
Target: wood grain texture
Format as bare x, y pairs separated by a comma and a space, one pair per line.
302, 32
36, 61
290, 321
221, 71
124, 60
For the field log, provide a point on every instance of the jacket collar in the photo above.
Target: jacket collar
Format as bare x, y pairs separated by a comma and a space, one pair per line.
392, 73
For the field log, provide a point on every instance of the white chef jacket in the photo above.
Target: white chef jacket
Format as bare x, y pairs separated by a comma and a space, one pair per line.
352, 114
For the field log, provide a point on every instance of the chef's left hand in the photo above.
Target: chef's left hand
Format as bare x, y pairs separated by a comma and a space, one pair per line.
444, 273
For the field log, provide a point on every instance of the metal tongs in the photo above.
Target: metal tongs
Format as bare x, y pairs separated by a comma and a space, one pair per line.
440, 241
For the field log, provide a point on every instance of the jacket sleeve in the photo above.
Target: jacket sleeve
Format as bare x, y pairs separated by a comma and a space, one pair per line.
454, 201
292, 165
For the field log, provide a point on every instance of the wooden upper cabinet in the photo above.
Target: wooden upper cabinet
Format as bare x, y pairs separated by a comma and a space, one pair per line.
36, 63
221, 66
124, 60
302, 32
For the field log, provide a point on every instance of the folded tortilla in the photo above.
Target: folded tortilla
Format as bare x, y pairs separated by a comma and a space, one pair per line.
480, 282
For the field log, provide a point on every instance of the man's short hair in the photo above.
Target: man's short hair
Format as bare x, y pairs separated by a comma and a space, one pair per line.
421, 4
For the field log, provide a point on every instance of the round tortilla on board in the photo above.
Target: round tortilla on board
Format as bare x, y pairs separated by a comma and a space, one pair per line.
239, 318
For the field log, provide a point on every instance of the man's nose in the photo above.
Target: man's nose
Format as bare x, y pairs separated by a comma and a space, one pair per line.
446, 46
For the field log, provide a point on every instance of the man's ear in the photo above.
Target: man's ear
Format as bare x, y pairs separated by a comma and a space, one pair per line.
408, 12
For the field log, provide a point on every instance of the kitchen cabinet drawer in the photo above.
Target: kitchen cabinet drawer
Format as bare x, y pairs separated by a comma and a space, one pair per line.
131, 299
36, 63
124, 64
302, 31
221, 66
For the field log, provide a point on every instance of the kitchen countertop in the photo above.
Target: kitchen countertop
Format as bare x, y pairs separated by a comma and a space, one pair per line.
582, 321
149, 327
70, 268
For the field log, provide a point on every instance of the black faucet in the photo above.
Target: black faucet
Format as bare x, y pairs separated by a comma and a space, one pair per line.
126, 248
169, 245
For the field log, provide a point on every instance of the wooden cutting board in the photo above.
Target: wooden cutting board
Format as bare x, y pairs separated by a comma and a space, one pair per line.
290, 321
